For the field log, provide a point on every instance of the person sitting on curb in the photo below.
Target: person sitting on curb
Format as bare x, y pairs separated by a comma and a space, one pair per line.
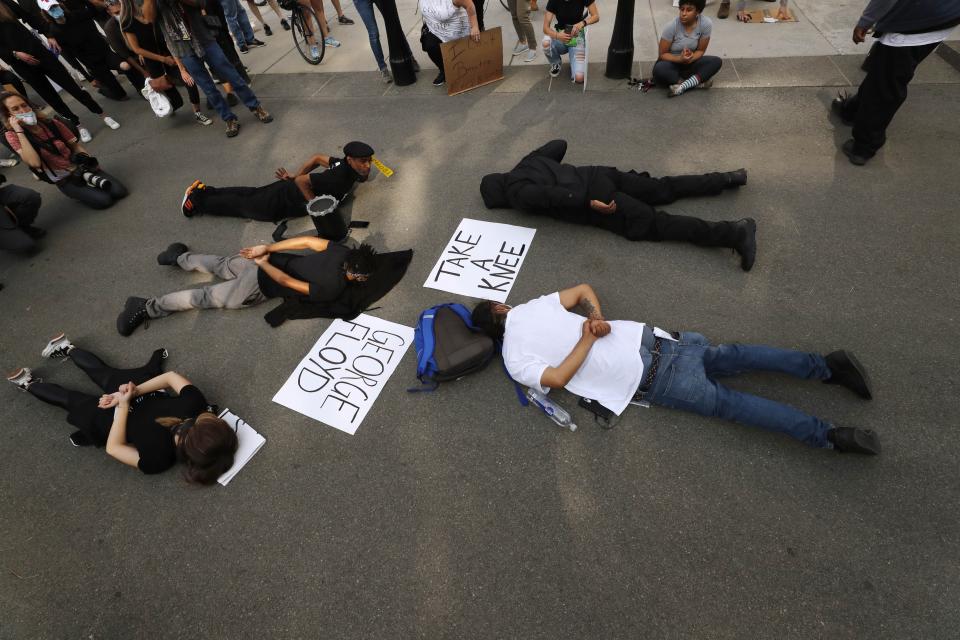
619, 201
291, 196
616, 363
683, 63
564, 24
255, 275
138, 420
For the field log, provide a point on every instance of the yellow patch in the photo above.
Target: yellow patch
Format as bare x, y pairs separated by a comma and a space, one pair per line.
382, 168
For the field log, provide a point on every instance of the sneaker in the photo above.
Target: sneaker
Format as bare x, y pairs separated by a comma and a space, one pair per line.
330, 41
344, 20
80, 439
554, 70
232, 99
6, 163
200, 117
233, 128
846, 371
849, 150
84, 134
314, 52
256, 43
267, 30
385, 76
521, 47
440, 80
23, 378
187, 206
531, 56
34, 232
705, 85
285, 24
724, 11
674, 91
839, 105
168, 257
133, 315
746, 242
852, 440
110, 122
244, 48
262, 114
58, 348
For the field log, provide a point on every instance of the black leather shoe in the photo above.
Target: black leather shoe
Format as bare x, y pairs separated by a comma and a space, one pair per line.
736, 178
133, 315
847, 371
169, 257
746, 242
852, 155
851, 440
838, 105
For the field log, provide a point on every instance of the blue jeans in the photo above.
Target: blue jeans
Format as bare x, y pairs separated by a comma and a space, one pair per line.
238, 21
213, 56
554, 50
685, 380
365, 9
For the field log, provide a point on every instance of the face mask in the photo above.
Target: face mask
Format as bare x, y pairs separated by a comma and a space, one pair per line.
29, 118
56, 12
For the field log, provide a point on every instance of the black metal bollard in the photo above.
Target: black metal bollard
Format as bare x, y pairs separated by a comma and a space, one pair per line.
401, 58
620, 51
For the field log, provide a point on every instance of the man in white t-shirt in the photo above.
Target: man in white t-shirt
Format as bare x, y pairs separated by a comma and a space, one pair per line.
907, 31
546, 345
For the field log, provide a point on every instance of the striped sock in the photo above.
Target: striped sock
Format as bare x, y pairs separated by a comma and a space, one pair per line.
690, 83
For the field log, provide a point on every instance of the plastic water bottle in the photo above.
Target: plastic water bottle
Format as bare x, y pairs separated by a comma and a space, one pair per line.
553, 410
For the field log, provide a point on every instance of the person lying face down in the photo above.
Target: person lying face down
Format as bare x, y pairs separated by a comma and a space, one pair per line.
618, 201
291, 194
254, 275
546, 345
146, 418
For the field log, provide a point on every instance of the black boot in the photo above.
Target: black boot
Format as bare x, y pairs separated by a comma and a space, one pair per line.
735, 179
133, 315
846, 370
851, 440
169, 257
279, 231
746, 244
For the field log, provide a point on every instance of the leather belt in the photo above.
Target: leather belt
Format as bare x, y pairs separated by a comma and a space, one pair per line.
654, 364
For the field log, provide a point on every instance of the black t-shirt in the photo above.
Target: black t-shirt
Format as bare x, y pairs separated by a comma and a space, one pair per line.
154, 442
150, 39
568, 12
337, 181
322, 270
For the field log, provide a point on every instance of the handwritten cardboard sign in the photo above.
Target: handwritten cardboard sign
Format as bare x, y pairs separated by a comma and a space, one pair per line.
481, 260
340, 378
468, 64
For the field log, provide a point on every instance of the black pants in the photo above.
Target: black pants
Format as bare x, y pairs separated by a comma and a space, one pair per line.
82, 407
39, 76
274, 202
881, 93
9, 77
667, 73
93, 197
20, 207
636, 219
431, 46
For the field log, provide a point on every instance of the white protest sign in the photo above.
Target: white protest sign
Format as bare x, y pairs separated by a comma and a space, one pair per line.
340, 378
482, 260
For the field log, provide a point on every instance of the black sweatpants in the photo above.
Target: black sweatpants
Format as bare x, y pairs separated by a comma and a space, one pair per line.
274, 202
39, 76
881, 93
20, 207
636, 220
656, 191
82, 407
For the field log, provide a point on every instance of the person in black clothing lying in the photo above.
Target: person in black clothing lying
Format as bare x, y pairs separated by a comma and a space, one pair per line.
255, 275
18, 211
139, 421
291, 196
619, 201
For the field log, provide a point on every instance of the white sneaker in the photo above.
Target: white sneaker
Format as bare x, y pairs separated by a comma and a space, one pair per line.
531, 56
23, 378
9, 162
58, 348
110, 122
202, 118
520, 48
84, 134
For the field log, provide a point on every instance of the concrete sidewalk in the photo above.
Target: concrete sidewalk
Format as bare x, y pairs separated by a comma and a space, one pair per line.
823, 29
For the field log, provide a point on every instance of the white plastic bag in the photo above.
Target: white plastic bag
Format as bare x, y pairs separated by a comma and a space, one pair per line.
158, 102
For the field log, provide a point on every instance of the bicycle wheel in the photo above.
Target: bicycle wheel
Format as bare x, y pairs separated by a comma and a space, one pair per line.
304, 26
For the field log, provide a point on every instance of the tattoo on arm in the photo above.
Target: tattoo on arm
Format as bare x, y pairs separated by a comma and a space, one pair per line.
589, 309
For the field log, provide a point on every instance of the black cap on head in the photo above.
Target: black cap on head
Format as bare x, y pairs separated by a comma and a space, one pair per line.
357, 149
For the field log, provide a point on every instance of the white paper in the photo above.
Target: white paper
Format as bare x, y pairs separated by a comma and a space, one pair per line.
249, 442
482, 260
341, 376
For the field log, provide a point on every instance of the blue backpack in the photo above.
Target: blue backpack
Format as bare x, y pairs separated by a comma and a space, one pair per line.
449, 346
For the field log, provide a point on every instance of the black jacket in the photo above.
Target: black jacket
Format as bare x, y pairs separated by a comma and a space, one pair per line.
910, 16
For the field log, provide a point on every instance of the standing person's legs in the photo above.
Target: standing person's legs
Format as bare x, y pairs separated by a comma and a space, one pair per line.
201, 77
682, 383
365, 9
523, 24
9, 77
239, 291
882, 92
56, 72
215, 57
37, 79
100, 70
241, 32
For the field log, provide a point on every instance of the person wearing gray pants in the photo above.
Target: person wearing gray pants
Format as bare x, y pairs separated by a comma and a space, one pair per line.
254, 275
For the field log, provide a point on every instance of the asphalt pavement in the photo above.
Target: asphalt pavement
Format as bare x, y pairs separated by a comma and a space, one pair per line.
459, 514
